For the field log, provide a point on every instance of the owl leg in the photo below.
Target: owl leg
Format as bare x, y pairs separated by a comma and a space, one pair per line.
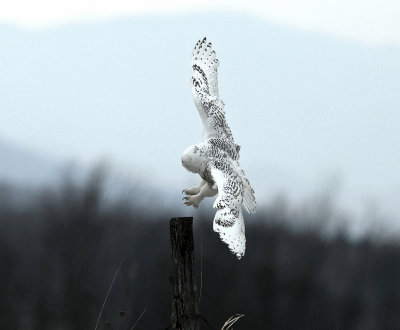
194, 190
205, 191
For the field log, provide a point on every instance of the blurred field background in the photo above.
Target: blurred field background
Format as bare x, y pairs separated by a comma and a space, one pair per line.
60, 249
95, 111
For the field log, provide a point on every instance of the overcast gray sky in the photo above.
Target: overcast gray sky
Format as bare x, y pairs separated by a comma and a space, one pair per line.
371, 21
313, 100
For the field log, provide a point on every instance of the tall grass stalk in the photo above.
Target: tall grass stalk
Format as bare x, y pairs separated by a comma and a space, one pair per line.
231, 321
108, 292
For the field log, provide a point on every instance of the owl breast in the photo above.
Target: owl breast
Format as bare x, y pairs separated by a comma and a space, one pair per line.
194, 159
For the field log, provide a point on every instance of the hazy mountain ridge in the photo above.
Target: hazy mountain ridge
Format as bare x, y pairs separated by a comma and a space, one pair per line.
23, 166
303, 106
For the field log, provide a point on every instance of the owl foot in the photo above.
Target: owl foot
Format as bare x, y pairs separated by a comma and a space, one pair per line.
195, 195
191, 191
193, 200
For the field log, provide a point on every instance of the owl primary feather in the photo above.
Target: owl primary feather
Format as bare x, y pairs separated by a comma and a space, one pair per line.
216, 159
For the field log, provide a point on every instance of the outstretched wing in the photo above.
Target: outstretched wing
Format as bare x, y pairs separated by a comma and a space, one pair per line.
205, 91
228, 221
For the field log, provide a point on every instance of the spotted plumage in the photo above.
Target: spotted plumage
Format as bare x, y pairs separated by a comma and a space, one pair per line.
216, 159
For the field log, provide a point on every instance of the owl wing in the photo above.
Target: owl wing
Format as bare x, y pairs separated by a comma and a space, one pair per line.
205, 91
249, 200
228, 220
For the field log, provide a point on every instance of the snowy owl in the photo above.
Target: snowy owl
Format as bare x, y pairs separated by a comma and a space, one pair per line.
216, 159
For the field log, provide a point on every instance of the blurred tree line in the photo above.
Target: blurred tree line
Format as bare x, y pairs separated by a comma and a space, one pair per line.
60, 248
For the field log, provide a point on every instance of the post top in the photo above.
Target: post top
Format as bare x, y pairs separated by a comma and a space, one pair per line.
182, 219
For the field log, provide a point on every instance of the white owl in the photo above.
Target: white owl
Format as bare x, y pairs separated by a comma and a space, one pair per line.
216, 159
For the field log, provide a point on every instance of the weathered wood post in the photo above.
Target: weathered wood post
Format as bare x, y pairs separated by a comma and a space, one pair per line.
185, 309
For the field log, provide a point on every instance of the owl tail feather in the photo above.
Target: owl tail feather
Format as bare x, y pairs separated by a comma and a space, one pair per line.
230, 226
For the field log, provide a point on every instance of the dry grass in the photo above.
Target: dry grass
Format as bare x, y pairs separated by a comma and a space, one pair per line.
137, 321
231, 321
108, 292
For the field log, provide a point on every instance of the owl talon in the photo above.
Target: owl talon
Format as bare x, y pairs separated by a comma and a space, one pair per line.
193, 200
192, 191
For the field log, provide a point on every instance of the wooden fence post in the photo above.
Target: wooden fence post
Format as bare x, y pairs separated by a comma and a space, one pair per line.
185, 309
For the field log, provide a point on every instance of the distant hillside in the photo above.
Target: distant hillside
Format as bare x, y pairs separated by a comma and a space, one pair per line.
20, 165
304, 107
